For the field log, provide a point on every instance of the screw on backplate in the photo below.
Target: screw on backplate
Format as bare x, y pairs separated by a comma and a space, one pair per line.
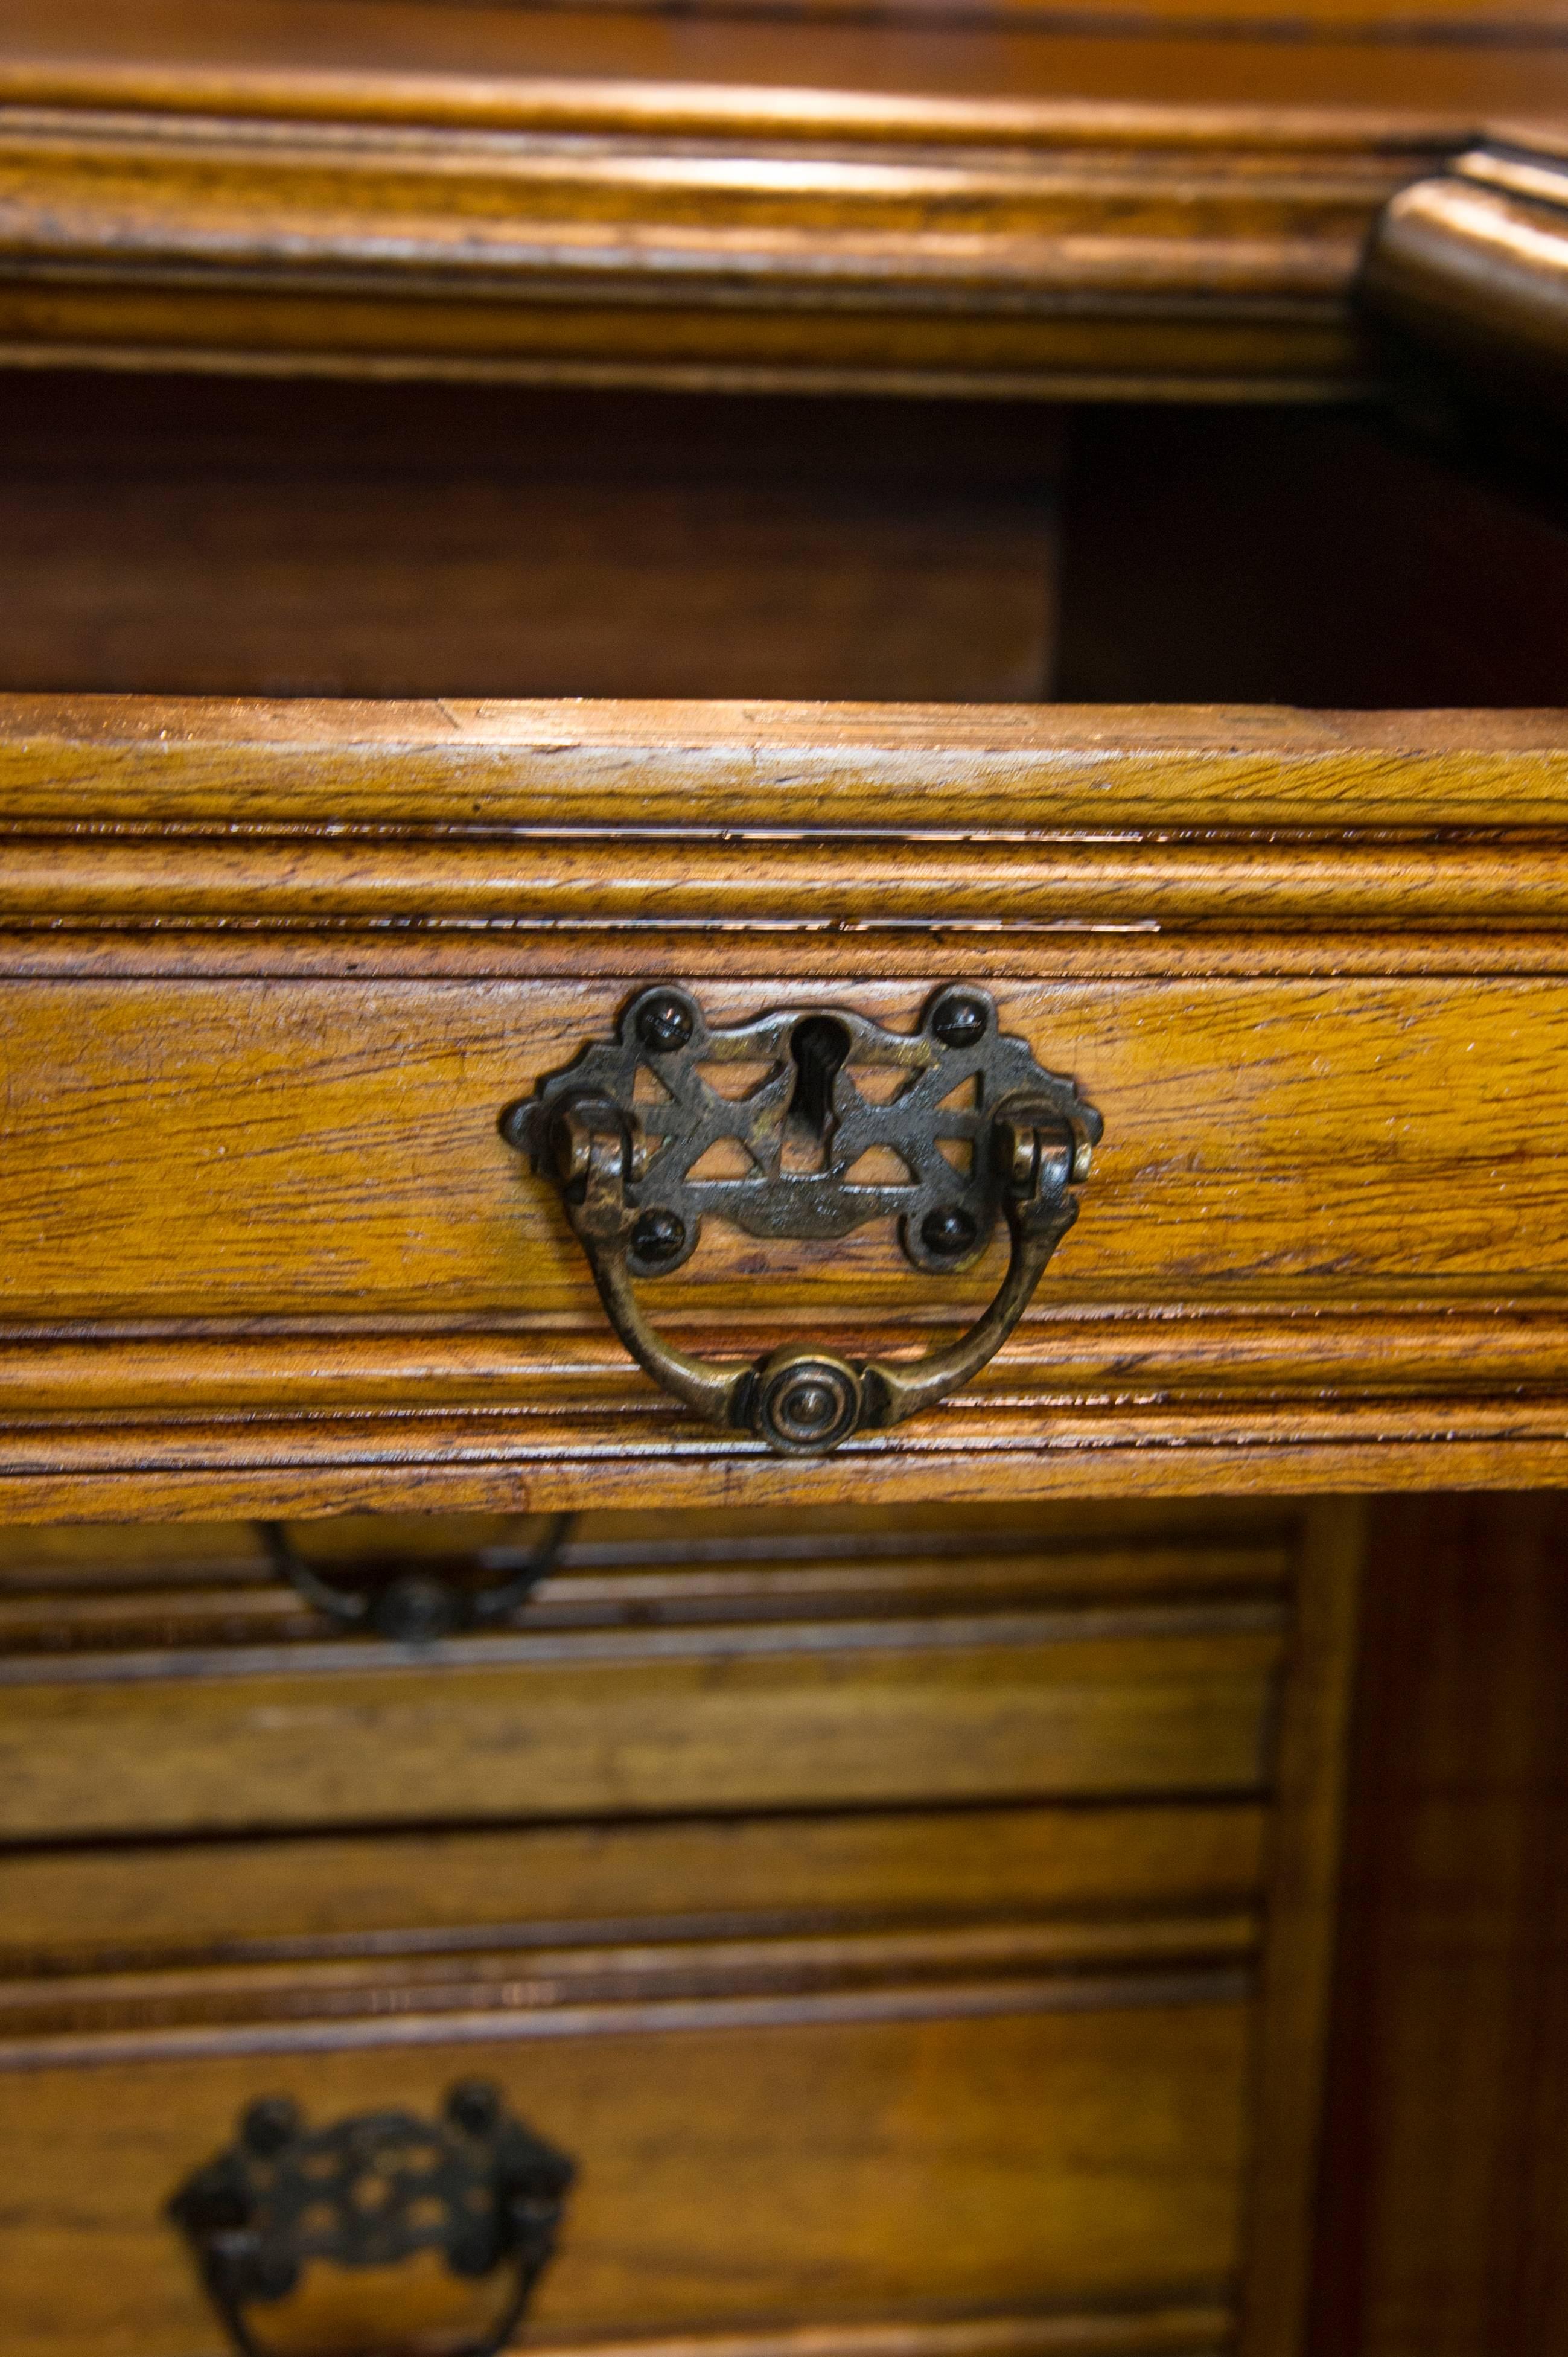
808, 1405
272, 2274
959, 1022
268, 2124
664, 1025
474, 2106
948, 1231
415, 1609
216, 2201
658, 1237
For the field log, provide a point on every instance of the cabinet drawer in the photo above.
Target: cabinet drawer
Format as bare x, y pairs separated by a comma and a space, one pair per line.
914, 1932
1083, 1663
272, 975
734, 2173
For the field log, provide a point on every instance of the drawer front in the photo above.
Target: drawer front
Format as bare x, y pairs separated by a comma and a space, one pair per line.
915, 1934
241, 1148
1131, 1662
271, 975
734, 2174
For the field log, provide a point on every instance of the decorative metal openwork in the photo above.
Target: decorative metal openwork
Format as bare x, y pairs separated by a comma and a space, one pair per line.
806, 1122
476, 2185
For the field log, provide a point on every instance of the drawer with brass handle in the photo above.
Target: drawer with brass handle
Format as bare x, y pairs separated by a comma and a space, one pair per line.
1062, 1100
1089, 1661
903, 1931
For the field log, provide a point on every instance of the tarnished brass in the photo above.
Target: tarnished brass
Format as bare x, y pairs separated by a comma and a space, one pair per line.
627, 1169
369, 2192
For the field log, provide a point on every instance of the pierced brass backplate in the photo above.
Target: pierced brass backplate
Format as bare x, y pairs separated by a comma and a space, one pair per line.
806, 1123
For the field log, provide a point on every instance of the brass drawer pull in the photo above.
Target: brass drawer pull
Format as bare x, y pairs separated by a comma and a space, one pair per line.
416, 1607
476, 2185
625, 1129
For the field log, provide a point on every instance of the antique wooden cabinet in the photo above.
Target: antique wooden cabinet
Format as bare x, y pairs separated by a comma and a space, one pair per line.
782, 824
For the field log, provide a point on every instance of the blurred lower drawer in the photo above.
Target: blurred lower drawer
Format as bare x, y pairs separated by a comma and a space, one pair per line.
915, 1935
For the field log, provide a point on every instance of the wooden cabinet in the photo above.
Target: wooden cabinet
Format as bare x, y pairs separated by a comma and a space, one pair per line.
910, 1929
507, 510
275, 973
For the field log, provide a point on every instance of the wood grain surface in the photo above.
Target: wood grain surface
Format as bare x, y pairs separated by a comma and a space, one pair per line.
274, 972
1441, 2199
917, 1713
225, 534
1474, 264
864, 2167
599, 195
786, 2046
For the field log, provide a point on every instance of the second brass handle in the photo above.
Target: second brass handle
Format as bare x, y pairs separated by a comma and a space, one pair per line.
838, 1090
474, 2184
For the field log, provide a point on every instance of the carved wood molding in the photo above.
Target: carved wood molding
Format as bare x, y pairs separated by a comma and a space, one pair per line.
158, 208
1475, 263
272, 971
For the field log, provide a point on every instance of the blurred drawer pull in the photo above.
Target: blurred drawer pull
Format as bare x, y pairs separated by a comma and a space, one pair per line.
836, 1119
416, 1607
370, 2191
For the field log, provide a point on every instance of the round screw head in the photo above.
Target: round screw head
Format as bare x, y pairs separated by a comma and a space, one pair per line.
948, 1231
268, 2124
664, 1024
658, 1237
805, 1405
515, 1125
272, 2274
415, 1609
216, 2201
474, 2106
811, 1408
959, 1022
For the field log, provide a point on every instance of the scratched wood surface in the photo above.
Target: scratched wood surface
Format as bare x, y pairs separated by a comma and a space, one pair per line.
272, 971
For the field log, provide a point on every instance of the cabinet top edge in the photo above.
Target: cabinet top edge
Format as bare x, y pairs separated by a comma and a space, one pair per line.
698, 768
433, 727
1046, 71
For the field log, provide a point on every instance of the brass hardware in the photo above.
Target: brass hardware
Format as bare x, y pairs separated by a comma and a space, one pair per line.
476, 2185
415, 1608
627, 1161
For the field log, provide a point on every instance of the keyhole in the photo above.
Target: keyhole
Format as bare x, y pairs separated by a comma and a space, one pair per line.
819, 1047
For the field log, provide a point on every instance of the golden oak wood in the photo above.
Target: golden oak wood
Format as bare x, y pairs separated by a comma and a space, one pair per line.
827, 2012
1475, 263
274, 972
577, 1728
597, 196
277, 1899
866, 2167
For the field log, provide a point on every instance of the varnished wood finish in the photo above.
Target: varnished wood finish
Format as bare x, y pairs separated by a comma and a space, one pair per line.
1442, 2194
274, 971
1475, 263
602, 198
826, 2010
863, 2166
1080, 1671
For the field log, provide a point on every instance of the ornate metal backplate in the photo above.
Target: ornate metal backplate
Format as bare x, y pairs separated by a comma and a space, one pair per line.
826, 1119
476, 2185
